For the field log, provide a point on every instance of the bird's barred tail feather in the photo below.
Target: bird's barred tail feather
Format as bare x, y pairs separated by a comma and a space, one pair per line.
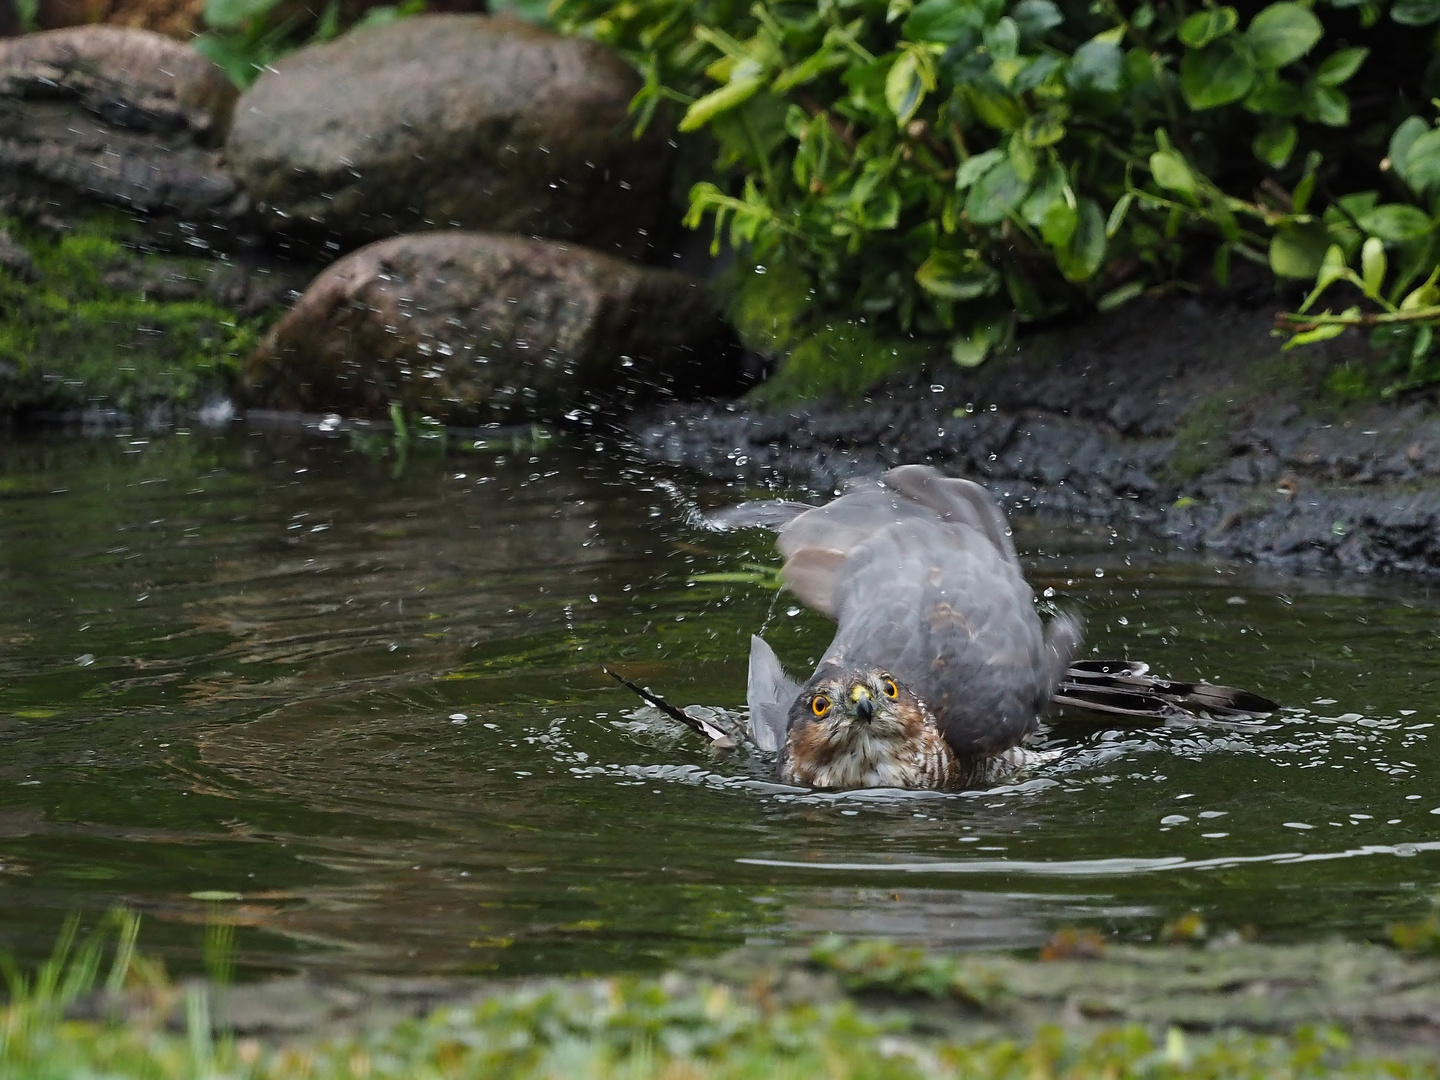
1125, 688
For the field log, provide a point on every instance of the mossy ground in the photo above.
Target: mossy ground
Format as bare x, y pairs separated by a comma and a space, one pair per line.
775, 314
641, 1028
677, 1026
70, 341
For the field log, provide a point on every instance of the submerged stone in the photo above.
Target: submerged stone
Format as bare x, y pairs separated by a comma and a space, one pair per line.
475, 328
451, 120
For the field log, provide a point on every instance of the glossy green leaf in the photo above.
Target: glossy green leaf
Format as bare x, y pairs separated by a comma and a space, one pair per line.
1002, 40
942, 21
1044, 129
1333, 268
1216, 75
1034, 73
1086, 250
1274, 96
1323, 332
1275, 143
1329, 106
1406, 132
1172, 173
1424, 296
1298, 248
905, 86
1340, 66
995, 194
1057, 227
1417, 158
1117, 213
1050, 206
957, 276
1281, 34
1415, 12
1396, 223
977, 166
903, 89
969, 352
733, 93
1022, 158
1097, 66
1121, 295
1034, 17
995, 108
1206, 25
1373, 265
1220, 266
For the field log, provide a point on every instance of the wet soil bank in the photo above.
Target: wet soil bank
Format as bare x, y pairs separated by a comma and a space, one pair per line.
1383, 1000
1183, 418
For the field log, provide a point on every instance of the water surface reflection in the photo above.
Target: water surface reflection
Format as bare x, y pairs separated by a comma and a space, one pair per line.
370, 709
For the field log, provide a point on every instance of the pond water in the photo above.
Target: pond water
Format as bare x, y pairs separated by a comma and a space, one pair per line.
359, 710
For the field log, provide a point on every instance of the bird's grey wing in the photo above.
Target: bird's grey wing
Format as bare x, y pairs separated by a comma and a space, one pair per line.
816, 544
768, 514
770, 693
939, 607
957, 500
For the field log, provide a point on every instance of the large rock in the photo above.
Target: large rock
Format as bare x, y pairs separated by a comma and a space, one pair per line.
125, 117
451, 120
478, 328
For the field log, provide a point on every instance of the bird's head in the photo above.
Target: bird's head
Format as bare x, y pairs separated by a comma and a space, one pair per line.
839, 710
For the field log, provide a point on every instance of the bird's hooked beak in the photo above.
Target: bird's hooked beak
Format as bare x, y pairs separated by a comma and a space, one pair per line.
864, 707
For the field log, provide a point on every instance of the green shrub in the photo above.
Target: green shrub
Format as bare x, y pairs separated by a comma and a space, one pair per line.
950, 168
245, 36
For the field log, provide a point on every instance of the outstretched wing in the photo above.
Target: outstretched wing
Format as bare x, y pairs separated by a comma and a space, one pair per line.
816, 542
920, 573
951, 617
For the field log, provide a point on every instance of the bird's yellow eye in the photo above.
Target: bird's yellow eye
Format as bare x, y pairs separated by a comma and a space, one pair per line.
820, 704
891, 690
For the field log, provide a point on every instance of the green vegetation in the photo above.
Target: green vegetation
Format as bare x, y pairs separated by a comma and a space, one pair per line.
245, 36
78, 336
883, 966
634, 1028
897, 173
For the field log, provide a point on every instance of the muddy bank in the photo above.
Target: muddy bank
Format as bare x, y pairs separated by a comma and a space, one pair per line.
1180, 417
1383, 1000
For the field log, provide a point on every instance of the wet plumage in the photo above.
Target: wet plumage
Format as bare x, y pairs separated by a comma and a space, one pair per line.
920, 574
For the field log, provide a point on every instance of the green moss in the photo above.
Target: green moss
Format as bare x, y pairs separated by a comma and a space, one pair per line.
775, 313
676, 1027
886, 967
1201, 441
70, 340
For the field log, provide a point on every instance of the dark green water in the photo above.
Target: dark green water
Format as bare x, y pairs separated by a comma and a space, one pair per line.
370, 710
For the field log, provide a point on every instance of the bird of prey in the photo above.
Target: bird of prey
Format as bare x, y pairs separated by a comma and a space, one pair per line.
940, 666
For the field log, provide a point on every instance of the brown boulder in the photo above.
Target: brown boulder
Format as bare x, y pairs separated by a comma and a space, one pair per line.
180, 19
122, 116
451, 120
479, 328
